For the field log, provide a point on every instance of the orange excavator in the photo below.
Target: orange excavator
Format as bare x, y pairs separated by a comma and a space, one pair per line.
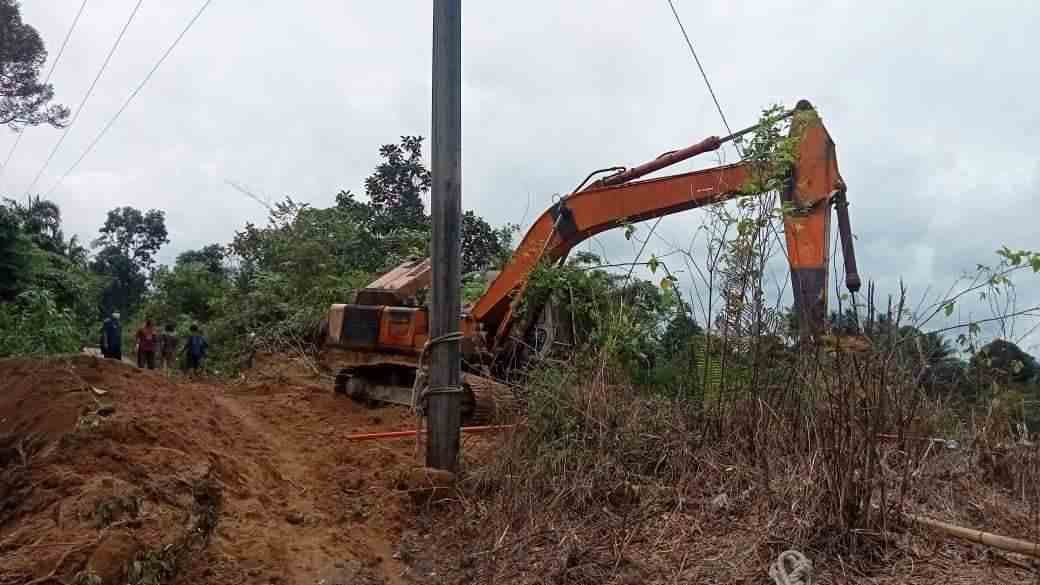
377, 342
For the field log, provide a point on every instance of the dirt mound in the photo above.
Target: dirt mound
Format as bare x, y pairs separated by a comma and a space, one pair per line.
126, 475
282, 369
110, 474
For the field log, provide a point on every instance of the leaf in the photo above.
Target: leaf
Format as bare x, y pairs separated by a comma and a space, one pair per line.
668, 282
974, 329
653, 263
948, 308
1034, 262
630, 230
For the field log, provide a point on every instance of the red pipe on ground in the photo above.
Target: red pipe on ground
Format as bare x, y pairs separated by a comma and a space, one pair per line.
401, 434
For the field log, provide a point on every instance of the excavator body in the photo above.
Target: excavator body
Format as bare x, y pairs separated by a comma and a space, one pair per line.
378, 340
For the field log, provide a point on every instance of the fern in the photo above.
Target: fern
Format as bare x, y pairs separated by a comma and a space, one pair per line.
707, 368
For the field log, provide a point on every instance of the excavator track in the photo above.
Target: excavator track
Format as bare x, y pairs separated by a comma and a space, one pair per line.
484, 401
491, 401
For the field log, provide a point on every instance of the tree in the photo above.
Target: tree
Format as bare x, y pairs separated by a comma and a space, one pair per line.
128, 243
24, 100
484, 247
126, 283
211, 257
397, 186
679, 335
1006, 361
137, 235
15, 256
190, 288
40, 219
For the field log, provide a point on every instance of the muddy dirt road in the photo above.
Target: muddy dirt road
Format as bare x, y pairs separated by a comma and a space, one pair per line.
129, 475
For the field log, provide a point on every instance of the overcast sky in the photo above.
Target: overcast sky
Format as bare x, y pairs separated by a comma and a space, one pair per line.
932, 105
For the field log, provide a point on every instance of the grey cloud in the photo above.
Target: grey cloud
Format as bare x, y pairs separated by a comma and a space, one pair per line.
930, 107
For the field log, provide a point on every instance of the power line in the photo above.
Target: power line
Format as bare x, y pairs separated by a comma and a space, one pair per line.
54, 65
697, 60
86, 96
133, 94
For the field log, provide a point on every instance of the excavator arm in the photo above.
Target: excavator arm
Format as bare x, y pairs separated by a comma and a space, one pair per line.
811, 186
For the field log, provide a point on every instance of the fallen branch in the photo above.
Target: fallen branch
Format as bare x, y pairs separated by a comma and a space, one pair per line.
948, 443
1004, 543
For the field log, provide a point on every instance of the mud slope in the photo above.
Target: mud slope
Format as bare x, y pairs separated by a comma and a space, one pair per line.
128, 475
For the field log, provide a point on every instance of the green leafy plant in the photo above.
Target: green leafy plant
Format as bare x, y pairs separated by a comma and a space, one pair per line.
34, 324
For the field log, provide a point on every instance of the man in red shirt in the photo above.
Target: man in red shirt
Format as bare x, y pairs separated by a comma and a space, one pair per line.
146, 342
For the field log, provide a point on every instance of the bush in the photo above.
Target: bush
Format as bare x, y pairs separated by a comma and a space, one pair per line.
34, 324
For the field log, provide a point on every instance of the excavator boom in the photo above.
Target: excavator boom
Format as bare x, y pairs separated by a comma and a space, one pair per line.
617, 199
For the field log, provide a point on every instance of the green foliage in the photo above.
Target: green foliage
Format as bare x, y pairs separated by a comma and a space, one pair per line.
708, 367
484, 247
1003, 361
15, 256
211, 257
134, 234
70, 282
125, 284
47, 296
772, 149
127, 246
34, 324
190, 290
24, 99
473, 287
40, 220
636, 326
396, 187
278, 280
1020, 258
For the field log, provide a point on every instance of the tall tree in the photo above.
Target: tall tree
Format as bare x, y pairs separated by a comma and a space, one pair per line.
137, 235
211, 257
126, 283
397, 185
24, 99
128, 243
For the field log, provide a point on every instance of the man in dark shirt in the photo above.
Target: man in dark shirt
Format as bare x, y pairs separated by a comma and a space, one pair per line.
195, 349
112, 338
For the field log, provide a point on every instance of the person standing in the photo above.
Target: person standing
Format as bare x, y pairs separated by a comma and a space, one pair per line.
112, 338
195, 349
168, 347
146, 342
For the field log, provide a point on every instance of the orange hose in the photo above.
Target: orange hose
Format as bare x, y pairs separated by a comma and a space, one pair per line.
400, 434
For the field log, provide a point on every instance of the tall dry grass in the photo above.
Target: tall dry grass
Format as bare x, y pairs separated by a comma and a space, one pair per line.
827, 463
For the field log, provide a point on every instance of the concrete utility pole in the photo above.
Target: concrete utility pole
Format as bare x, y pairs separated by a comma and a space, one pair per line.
443, 408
